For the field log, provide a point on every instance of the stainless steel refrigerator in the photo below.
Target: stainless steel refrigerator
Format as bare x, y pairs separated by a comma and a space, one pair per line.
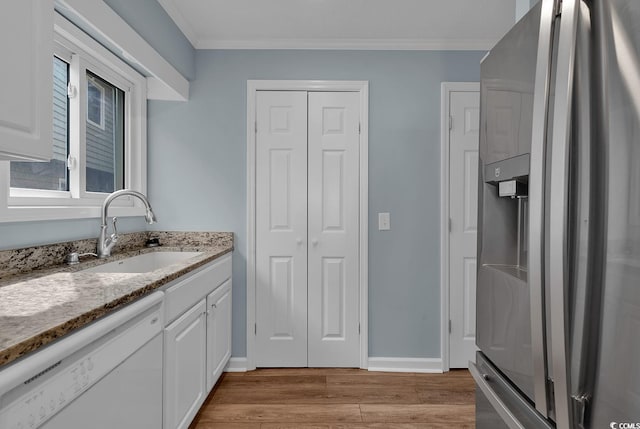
558, 286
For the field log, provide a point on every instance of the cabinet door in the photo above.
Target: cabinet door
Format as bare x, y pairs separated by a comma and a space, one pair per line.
26, 82
218, 332
184, 367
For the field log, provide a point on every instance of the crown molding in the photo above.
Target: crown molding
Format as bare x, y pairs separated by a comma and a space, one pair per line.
471, 44
351, 44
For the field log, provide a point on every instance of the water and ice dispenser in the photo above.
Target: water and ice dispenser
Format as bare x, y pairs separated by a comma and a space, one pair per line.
503, 299
505, 220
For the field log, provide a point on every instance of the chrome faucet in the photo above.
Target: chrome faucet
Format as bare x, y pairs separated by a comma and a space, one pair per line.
105, 244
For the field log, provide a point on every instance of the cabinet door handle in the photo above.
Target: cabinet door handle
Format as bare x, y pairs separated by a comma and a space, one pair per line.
314, 241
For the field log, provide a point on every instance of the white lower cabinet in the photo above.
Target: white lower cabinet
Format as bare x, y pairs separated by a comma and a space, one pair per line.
197, 340
185, 367
218, 332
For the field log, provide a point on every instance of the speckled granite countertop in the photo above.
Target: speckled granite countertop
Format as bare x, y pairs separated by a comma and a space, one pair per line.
41, 299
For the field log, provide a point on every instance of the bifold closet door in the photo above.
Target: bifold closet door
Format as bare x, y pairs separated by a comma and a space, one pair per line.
307, 229
333, 309
281, 229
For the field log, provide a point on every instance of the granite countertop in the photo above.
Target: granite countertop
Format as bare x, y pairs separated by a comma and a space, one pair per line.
42, 299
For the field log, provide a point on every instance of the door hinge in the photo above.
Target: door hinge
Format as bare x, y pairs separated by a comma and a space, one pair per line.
359, 128
450, 122
449, 325
558, 11
358, 329
255, 127
255, 329
450, 223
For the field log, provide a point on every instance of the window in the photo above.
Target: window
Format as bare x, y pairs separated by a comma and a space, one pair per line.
104, 138
99, 138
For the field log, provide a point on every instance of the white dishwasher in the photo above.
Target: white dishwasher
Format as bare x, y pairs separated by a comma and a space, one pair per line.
107, 375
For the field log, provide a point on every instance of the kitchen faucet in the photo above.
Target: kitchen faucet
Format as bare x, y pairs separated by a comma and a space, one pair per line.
105, 244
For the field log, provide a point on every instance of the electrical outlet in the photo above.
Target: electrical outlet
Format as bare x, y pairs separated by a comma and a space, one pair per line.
384, 221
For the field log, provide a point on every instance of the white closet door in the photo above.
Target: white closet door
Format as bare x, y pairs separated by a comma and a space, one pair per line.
333, 229
281, 229
463, 208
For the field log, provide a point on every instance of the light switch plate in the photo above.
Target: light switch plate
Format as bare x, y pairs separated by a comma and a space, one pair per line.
384, 221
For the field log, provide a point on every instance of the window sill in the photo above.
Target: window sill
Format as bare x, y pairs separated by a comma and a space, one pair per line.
30, 214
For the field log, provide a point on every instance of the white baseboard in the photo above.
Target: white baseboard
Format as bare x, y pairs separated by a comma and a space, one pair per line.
236, 364
433, 365
428, 365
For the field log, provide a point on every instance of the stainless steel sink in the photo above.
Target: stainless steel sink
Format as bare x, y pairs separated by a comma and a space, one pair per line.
144, 263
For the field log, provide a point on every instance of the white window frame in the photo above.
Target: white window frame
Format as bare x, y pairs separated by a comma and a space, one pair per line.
82, 52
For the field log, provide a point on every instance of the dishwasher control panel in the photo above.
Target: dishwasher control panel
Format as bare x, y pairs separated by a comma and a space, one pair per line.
31, 404
37, 406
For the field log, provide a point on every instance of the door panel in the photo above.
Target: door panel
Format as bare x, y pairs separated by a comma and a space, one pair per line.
281, 290
463, 208
615, 199
332, 190
280, 185
281, 228
333, 296
504, 330
333, 229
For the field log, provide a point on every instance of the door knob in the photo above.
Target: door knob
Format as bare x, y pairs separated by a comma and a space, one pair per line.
299, 240
314, 241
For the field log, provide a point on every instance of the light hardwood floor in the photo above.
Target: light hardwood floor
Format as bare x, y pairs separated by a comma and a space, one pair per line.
310, 398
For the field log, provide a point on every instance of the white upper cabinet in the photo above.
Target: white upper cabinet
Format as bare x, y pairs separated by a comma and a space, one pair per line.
26, 37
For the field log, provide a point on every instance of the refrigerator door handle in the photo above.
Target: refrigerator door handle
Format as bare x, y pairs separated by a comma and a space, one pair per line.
536, 204
482, 380
558, 210
580, 411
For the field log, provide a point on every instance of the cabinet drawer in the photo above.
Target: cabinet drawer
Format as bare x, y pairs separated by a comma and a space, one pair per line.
183, 295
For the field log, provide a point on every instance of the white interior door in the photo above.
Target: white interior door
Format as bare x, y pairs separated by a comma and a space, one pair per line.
463, 208
307, 229
333, 316
281, 229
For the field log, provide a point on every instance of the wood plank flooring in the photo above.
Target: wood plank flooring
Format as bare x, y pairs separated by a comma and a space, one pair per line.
313, 398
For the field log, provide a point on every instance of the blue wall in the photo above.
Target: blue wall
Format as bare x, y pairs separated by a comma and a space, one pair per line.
197, 173
24, 234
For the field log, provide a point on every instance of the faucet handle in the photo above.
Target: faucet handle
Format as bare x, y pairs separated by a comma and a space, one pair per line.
114, 236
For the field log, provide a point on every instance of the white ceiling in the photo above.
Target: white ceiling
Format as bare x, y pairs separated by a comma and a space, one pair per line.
342, 24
